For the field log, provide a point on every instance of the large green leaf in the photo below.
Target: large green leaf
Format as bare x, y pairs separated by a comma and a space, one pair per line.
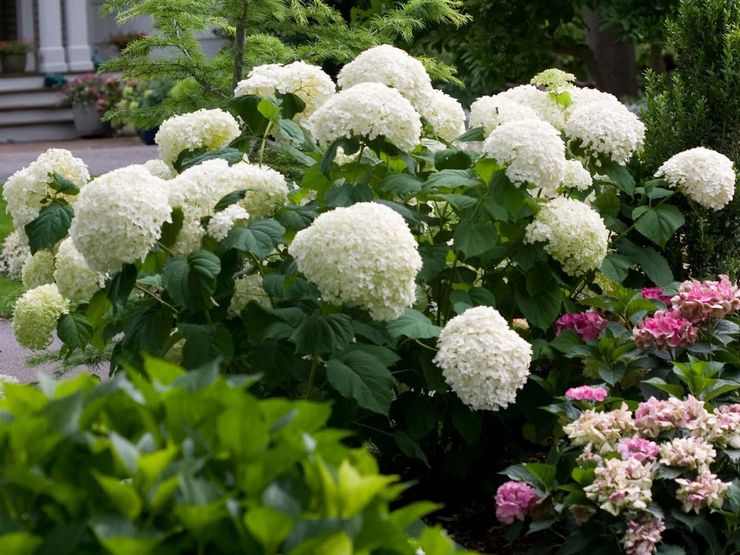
191, 281
616, 267
189, 158
540, 299
246, 108
654, 265
450, 179
259, 238
401, 184
204, 343
74, 330
362, 377
414, 325
507, 195
319, 334
658, 224
475, 237
620, 176
50, 226
452, 159
120, 287
63, 185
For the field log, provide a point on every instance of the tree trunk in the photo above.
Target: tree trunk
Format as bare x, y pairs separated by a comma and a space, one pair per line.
616, 60
239, 41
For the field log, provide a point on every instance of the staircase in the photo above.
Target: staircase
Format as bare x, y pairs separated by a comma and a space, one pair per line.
29, 112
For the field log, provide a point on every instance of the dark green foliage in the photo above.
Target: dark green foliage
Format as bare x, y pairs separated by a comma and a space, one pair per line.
172, 462
699, 105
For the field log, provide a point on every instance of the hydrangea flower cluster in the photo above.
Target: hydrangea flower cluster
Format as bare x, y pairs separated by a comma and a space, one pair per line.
36, 314
445, 114
704, 175
76, 281
588, 325
699, 300
25, 190
308, 82
222, 222
622, 485
533, 152
638, 448
576, 176
642, 535
514, 500
707, 490
553, 79
665, 329
657, 294
541, 102
389, 66
119, 218
364, 253
367, 110
483, 360
203, 129
586, 393
38, 269
654, 416
688, 452
13, 255
489, 112
600, 429
574, 233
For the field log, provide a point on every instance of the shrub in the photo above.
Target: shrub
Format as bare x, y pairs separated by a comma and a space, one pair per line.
190, 462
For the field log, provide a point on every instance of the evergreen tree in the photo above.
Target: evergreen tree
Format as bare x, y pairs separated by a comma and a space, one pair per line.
257, 32
699, 105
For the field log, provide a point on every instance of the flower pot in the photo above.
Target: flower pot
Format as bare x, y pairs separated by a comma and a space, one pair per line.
87, 120
147, 135
13, 63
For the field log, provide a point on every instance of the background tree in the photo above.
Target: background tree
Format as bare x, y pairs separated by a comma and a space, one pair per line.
699, 105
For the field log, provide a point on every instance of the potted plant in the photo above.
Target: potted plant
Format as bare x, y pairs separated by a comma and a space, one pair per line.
144, 94
13, 56
90, 96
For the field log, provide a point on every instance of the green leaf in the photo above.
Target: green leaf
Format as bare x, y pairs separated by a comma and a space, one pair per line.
126, 452
191, 281
63, 185
539, 299
290, 105
319, 334
566, 341
620, 176
616, 267
122, 495
349, 146
414, 325
475, 237
269, 527
651, 262
120, 536
658, 224
364, 378
170, 230
410, 447
450, 179
74, 330
246, 108
259, 238
475, 134
205, 343
452, 159
291, 131
296, 217
612, 374
232, 198
434, 258
50, 226
543, 473
19, 543
507, 195
120, 287
189, 158
401, 184
458, 202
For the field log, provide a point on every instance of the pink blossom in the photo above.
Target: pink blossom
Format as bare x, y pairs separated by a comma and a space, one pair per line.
586, 324
586, 393
656, 294
654, 416
699, 300
665, 328
514, 500
706, 491
643, 535
638, 448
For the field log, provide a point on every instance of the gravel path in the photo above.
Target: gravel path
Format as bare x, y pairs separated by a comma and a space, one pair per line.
100, 155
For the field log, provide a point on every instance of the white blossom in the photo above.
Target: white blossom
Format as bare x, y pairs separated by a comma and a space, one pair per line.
203, 129
445, 114
576, 176
222, 222
38, 269
13, 255
482, 359
704, 175
491, 111
539, 101
36, 314
76, 281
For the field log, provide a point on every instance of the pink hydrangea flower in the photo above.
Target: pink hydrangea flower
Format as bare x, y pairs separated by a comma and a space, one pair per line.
706, 491
656, 293
586, 393
665, 328
643, 535
654, 416
514, 500
638, 448
588, 324
699, 300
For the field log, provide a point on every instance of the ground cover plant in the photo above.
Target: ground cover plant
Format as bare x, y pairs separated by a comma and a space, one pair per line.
424, 272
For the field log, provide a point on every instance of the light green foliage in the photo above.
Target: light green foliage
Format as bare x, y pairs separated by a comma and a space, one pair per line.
699, 105
176, 462
277, 31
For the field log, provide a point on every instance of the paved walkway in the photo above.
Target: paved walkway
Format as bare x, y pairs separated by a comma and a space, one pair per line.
101, 155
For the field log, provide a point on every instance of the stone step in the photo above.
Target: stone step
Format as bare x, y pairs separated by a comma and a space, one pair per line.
31, 98
38, 131
24, 115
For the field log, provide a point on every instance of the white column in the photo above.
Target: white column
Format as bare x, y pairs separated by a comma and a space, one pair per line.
78, 46
24, 14
51, 50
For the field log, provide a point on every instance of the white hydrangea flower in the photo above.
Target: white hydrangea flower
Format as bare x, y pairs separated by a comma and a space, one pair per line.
13, 255
600, 429
364, 253
390, 66
491, 111
6, 379
267, 189
189, 238
308, 82
445, 114
533, 152
482, 359
247, 288
580, 96
159, 169
688, 452
553, 79
208, 129
622, 485
576, 176
367, 110
26, 188
539, 101
704, 175
606, 128
222, 222
76, 281
119, 217
574, 234
36, 314
38, 269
